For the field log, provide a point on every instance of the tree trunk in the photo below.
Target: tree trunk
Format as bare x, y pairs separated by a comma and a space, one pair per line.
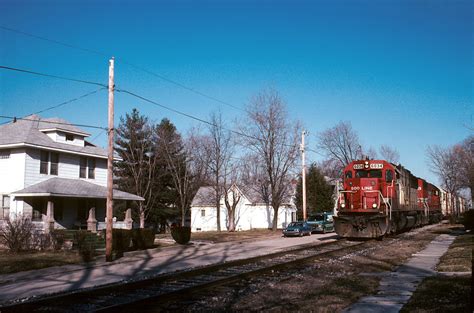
142, 215
275, 219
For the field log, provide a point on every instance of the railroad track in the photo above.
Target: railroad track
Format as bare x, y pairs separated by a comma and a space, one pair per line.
123, 296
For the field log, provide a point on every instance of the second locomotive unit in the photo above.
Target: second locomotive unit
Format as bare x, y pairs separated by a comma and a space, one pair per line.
379, 198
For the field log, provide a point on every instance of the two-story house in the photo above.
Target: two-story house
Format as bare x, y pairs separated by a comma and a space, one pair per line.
50, 173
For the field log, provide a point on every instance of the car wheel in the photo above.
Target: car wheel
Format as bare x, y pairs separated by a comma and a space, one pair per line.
309, 233
301, 234
324, 230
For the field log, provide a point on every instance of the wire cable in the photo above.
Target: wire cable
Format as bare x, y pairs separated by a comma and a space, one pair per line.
124, 61
51, 122
69, 101
52, 76
191, 116
63, 103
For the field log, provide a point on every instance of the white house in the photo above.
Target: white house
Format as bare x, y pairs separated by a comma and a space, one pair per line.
50, 173
251, 211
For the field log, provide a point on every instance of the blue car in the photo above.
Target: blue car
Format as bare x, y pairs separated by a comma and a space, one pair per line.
297, 229
321, 222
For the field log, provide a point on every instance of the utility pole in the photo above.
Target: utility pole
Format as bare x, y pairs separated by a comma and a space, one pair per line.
110, 160
303, 174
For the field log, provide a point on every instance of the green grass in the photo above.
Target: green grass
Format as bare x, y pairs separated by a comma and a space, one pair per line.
25, 261
441, 295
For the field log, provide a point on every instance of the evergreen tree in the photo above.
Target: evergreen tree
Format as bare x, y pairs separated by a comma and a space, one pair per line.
170, 149
135, 171
318, 192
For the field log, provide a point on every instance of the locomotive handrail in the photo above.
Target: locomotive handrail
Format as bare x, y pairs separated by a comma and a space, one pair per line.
388, 207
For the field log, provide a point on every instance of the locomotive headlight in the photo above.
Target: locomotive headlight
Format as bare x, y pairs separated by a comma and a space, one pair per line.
374, 205
366, 165
343, 205
372, 183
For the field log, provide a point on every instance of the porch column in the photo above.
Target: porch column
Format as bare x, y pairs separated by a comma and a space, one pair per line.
49, 223
91, 221
128, 219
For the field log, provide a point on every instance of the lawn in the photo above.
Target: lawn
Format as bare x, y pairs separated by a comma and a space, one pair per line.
25, 261
445, 293
225, 236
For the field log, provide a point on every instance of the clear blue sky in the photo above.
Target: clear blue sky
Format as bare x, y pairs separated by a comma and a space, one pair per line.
400, 71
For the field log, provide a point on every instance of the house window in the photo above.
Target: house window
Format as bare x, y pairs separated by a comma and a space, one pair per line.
69, 137
91, 169
5, 154
203, 213
83, 167
53, 170
44, 162
5, 208
87, 165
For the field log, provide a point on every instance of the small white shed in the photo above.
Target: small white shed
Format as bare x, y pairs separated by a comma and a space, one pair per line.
251, 211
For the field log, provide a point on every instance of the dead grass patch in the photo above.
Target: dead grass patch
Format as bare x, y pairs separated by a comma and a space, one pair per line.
459, 256
25, 261
441, 294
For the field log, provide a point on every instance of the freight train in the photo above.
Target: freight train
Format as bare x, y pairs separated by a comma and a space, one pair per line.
380, 198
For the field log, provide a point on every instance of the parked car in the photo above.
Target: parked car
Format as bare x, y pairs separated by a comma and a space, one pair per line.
321, 222
297, 229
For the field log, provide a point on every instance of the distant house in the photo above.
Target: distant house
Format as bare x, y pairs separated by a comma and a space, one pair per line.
251, 211
50, 173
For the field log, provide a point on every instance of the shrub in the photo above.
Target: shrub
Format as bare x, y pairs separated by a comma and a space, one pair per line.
41, 241
57, 239
17, 234
143, 238
85, 246
121, 239
181, 234
468, 219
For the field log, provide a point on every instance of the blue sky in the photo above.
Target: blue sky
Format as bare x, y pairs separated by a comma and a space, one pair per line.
400, 71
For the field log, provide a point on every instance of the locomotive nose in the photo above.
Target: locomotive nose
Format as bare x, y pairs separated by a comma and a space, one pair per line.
369, 193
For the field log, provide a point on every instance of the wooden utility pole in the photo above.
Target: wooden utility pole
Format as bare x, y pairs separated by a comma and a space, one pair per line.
303, 174
110, 160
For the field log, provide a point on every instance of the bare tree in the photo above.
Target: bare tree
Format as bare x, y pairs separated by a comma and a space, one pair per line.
184, 169
443, 162
465, 161
274, 139
232, 193
340, 144
219, 152
389, 154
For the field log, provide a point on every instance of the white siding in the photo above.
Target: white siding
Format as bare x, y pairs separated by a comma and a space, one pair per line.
247, 217
12, 171
61, 137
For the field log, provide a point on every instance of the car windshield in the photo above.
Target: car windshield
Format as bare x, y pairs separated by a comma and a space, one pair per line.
295, 224
316, 218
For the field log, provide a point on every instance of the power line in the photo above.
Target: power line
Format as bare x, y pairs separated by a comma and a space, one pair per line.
62, 103
191, 116
69, 101
51, 40
52, 76
174, 82
14, 118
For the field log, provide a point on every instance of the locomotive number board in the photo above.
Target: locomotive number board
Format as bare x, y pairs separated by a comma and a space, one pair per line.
371, 165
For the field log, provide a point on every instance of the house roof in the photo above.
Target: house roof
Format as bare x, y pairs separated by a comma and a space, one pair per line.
28, 132
206, 196
72, 188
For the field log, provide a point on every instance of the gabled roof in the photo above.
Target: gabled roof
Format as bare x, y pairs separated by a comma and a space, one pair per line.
73, 188
27, 132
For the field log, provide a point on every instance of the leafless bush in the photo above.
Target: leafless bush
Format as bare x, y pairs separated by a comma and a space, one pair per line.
17, 234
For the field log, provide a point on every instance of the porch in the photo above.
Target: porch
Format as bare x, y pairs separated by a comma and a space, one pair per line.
60, 203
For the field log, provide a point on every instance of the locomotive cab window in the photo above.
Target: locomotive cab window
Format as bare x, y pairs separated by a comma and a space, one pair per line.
367, 174
388, 176
348, 174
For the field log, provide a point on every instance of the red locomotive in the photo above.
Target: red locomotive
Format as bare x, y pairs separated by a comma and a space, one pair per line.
379, 198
